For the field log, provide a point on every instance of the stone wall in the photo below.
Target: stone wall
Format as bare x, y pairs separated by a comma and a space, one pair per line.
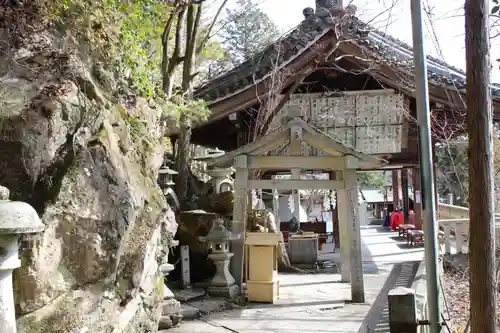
85, 155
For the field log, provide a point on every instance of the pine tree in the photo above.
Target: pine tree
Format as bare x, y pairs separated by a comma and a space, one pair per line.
247, 31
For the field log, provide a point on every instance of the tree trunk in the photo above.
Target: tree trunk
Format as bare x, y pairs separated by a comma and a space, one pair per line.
182, 158
480, 127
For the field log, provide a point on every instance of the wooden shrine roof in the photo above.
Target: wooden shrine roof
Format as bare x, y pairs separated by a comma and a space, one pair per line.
311, 44
267, 144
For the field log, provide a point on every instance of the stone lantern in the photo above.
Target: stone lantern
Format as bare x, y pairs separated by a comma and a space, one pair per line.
16, 218
223, 283
165, 177
221, 180
166, 183
220, 177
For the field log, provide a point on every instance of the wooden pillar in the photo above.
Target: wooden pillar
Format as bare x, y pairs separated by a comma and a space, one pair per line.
406, 196
344, 235
417, 202
353, 228
395, 188
239, 217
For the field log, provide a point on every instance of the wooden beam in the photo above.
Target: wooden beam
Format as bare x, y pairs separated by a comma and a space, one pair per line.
287, 184
302, 162
257, 147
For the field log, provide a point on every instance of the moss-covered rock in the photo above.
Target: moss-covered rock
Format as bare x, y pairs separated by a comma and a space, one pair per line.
87, 161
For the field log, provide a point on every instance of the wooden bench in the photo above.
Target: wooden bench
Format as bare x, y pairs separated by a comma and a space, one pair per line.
415, 237
403, 230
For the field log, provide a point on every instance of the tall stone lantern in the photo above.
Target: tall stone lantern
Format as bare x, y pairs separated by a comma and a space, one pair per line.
16, 218
223, 283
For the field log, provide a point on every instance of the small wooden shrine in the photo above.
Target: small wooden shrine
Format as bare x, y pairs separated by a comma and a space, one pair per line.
262, 154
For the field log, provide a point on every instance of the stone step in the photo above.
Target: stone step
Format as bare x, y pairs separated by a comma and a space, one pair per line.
189, 312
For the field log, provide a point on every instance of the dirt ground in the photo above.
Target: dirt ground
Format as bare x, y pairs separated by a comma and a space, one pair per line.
455, 284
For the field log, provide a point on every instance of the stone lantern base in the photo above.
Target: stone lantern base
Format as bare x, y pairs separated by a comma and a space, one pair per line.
228, 292
223, 283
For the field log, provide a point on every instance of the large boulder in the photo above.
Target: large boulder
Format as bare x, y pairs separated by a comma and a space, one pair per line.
87, 161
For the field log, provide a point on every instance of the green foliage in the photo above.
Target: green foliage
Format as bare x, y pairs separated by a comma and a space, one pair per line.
195, 110
371, 179
248, 31
126, 34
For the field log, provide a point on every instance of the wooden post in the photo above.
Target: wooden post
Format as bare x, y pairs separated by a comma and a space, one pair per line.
406, 197
395, 189
239, 217
344, 234
481, 199
417, 203
353, 228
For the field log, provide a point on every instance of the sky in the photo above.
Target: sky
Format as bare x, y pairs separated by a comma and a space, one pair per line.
444, 37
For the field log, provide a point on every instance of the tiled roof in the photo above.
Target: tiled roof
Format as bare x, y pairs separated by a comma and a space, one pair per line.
305, 35
255, 69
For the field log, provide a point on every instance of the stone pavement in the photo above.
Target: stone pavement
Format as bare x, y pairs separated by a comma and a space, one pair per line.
317, 302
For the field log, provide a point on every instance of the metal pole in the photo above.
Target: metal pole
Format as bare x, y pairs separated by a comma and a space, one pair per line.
426, 168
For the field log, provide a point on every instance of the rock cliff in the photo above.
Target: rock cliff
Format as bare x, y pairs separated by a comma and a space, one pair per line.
84, 152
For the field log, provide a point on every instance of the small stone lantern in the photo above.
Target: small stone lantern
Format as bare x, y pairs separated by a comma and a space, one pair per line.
223, 283
16, 218
220, 177
221, 180
166, 183
165, 177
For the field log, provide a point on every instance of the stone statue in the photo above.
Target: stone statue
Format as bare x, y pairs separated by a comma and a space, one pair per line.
308, 13
325, 8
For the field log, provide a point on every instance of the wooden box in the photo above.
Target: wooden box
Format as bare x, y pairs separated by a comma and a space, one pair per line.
262, 263
263, 291
262, 266
303, 250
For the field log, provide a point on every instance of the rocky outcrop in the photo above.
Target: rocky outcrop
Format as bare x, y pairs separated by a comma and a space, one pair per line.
86, 158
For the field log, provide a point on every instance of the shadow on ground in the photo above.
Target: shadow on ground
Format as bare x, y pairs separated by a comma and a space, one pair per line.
377, 319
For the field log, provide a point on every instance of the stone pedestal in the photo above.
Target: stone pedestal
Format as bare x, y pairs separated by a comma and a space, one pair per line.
402, 310
223, 283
